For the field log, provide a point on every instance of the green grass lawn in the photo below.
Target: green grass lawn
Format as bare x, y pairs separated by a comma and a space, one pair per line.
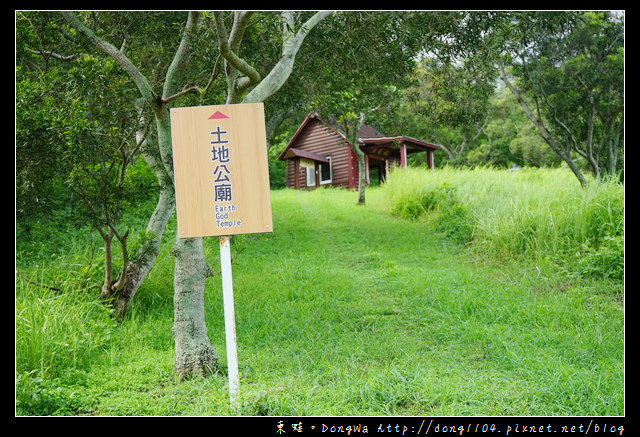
348, 310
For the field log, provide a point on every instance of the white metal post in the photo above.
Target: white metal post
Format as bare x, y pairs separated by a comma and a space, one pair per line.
229, 319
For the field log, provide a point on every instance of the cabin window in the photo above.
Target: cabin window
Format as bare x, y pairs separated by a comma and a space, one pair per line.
325, 173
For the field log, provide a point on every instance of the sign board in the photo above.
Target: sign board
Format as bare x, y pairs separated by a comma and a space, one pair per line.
307, 163
221, 170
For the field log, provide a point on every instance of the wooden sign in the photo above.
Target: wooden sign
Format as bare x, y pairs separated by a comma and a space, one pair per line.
307, 163
221, 170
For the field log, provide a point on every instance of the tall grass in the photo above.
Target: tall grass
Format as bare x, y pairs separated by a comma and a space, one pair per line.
57, 330
529, 213
57, 333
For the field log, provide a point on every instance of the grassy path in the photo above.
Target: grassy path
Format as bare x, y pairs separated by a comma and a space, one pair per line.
344, 310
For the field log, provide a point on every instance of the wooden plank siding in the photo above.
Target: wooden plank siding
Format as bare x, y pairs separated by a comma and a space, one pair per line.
318, 138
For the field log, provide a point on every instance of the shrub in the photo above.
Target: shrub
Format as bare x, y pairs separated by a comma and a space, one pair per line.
36, 396
411, 198
603, 261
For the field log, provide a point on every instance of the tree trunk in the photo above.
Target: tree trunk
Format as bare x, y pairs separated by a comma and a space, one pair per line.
194, 354
362, 176
537, 122
138, 269
105, 292
362, 169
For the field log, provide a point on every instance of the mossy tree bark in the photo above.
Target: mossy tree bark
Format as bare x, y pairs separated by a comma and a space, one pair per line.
194, 353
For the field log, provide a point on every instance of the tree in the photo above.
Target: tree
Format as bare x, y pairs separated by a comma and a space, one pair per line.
570, 82
454, 79
159, 161
510, 132
194, 352
449, 104
81, 133
349, 110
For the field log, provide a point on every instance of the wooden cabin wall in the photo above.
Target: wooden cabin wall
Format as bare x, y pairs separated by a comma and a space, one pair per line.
320, 139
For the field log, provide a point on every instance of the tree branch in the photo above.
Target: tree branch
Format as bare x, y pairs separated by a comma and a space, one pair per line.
240, 22
192, 89
48, 287
179, 62
225, 48
281, 71
538, 123
53, 54
138, 78
213, 75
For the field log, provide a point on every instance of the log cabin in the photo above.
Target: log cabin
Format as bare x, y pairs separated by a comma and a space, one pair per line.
318, 154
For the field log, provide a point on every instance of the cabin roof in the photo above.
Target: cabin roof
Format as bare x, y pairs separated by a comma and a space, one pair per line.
402, 138
367, 136
313, 115
293, 152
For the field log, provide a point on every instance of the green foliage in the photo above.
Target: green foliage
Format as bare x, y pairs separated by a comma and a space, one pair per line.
575, 77
60, 334
510, 137
277, 168
344, 309
602, 260
38, 396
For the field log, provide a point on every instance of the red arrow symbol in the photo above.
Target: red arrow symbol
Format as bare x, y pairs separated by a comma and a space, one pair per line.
218, 114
